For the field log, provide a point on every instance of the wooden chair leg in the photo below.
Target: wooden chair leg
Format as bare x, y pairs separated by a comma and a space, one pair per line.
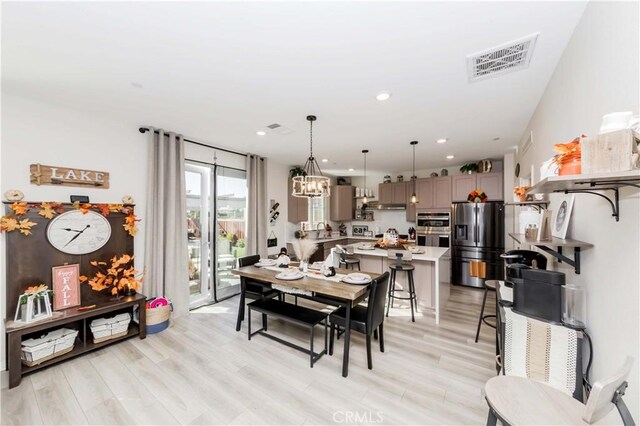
332, 334
381, 338
369, 363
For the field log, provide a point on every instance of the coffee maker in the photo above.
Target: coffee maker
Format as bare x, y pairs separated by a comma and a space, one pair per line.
537, 293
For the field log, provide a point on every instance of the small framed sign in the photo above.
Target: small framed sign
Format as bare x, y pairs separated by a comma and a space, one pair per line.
66, 286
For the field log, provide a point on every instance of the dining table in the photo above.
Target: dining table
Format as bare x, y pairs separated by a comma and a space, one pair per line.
313, 286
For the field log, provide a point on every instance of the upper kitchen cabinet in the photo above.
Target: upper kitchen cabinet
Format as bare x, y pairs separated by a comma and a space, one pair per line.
341, 203
392, 193
297, 208
424, 192
411, 208
442, 192
490, 183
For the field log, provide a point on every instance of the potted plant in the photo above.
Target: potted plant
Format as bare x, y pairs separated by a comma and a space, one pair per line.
297, 171
469, 168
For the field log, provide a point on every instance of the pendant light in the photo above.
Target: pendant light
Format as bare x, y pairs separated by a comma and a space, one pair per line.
311, 183
414, 198
364, 199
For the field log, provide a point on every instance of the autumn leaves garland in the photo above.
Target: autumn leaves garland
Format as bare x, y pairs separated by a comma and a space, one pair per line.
14, 222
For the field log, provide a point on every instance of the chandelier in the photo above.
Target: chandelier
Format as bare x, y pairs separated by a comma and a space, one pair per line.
311, 183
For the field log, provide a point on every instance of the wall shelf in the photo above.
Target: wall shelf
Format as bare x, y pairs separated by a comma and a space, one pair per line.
559, 244
589, 184
540, 204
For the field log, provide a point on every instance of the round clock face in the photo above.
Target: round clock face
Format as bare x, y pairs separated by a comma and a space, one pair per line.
75, 232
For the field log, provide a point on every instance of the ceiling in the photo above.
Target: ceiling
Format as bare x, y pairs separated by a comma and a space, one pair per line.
220, 71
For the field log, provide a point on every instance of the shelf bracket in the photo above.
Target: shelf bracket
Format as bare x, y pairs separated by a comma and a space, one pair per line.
575, 262
613, 201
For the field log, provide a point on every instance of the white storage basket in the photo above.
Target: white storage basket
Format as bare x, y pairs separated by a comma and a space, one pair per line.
51, 345
109, 328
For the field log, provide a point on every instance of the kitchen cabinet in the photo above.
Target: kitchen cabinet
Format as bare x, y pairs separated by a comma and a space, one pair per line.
341, 201
392, 193
297, 207
411, 208
442, 192
490, 183
424, 192
462, 186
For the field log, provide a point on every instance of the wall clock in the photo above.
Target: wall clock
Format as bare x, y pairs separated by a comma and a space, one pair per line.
75, 232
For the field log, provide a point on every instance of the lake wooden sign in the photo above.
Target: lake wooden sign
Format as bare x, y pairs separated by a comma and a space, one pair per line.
64, 176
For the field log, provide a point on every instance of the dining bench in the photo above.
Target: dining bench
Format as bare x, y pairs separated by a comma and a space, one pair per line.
295, 314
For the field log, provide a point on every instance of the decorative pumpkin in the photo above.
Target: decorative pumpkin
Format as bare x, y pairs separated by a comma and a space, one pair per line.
477, 196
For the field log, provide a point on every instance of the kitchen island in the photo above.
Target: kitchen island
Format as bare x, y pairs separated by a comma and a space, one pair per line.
431, 276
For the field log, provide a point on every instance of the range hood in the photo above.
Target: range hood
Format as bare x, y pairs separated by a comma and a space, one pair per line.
375, 205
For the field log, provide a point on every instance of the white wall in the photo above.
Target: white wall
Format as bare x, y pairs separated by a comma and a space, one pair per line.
36, 132
598, 73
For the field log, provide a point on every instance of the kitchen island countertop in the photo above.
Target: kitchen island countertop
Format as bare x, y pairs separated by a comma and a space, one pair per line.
431, 254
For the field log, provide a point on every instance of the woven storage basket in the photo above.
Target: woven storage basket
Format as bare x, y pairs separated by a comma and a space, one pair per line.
158, 319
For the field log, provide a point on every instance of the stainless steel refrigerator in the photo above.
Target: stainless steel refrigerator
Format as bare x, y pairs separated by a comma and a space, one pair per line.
477, 236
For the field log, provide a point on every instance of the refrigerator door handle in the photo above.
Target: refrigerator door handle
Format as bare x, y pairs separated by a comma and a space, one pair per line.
476, 229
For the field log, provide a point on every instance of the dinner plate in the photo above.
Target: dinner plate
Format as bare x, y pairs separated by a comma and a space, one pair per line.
265, 262
366, 247
417, 251
357, 278
288, 276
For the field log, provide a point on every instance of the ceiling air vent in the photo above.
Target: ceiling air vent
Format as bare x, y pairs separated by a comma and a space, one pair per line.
274, 126
502, 59
280, 129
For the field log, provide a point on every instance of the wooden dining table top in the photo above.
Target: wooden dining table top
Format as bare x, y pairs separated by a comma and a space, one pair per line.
323, 286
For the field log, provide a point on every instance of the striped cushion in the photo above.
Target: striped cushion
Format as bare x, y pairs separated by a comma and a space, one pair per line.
540, 351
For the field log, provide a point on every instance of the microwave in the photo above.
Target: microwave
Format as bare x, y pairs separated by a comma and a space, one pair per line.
433, 223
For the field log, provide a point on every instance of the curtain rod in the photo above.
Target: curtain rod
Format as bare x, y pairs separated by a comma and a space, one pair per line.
145, 130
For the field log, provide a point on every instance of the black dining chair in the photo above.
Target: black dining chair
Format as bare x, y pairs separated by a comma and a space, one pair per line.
364, 319
254, 290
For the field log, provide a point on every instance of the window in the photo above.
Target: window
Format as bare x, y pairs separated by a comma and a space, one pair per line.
317, 212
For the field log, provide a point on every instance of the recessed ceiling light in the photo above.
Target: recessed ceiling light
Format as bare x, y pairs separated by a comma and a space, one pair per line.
351, 170
442, 140
383, 96
450, 157
325, 160
261, 133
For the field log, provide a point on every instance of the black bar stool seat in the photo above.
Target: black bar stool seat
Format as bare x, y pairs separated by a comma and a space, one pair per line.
399, 261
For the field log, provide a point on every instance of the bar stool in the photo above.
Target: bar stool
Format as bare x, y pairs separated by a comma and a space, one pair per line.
348, 262
489, 285
400, 260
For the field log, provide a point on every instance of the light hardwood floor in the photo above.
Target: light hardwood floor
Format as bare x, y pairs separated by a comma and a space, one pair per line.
201, 371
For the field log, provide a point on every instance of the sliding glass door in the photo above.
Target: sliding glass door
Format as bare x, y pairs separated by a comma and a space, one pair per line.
216, 212
231, 227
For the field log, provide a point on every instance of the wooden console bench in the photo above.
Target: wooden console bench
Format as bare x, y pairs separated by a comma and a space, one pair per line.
70, 318
300, 315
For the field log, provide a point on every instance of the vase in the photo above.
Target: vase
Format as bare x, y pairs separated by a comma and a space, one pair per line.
573, 167
304, 265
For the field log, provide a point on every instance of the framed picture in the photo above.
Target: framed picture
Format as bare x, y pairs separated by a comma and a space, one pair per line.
561, 207
66, 286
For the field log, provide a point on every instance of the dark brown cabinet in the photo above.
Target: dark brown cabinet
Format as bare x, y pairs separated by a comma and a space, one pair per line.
341, 201
297, 207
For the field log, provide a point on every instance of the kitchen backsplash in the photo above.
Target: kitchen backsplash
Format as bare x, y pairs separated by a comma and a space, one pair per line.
385, 219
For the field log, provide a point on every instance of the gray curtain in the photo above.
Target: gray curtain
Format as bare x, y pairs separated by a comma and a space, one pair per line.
166, 257
257, 205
